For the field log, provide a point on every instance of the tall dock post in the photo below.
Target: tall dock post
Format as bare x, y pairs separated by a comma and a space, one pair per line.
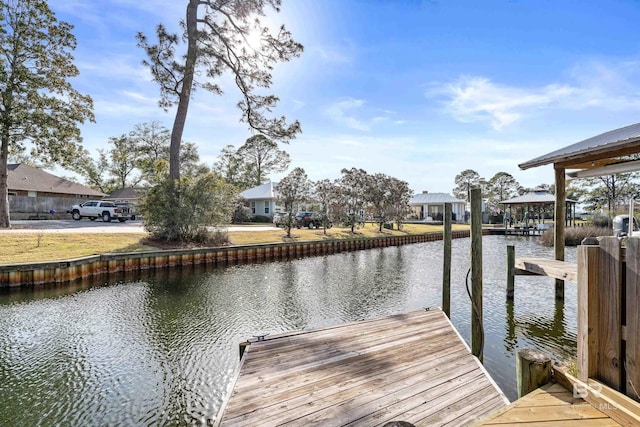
511, 278
533, 370
559, 218
477, 335
446, 264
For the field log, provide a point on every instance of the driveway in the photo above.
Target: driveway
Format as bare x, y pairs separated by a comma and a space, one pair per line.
86, 226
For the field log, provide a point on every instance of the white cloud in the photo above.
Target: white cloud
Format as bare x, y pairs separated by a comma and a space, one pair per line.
115, 66
139, 97
98, 13
472, 99
341, 112
592, 84
613, 87
352, 113
126, 104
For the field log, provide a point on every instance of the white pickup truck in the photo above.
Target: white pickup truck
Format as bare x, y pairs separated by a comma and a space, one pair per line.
621, 226
100, 209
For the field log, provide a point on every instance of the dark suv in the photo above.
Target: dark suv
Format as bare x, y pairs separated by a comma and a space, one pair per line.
307, 219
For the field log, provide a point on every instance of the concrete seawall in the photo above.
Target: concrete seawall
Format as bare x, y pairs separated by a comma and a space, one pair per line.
56, 272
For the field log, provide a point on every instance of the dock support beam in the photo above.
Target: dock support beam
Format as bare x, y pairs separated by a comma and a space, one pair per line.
446, 268
511, 278
533, 370
477, 333
560, 215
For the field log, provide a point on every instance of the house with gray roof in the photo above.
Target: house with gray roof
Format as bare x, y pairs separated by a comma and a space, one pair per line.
262, 199
35, 193
127, 194
430, 206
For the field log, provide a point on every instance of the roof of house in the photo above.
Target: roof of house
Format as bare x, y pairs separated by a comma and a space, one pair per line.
433, 198
534, 197
27, 178
602, 144
127, 193
262, 192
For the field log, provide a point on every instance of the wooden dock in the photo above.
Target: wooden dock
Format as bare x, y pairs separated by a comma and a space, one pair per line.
515, 231
550, 405
412, 367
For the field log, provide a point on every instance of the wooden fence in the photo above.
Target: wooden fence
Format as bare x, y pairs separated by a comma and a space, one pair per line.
609, 314
41, 205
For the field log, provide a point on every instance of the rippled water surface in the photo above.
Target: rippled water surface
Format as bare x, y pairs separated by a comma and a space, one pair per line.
164, 349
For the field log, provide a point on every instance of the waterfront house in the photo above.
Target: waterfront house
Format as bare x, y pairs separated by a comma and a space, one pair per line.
126, 195
261, 200
430, 206
34, 193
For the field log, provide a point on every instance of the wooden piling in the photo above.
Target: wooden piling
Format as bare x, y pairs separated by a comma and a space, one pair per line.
588, 310
477, 333
446, 263
610, 312
511, 260
632, 303
559, 228
533, 370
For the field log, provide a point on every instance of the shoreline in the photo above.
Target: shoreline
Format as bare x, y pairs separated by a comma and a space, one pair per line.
16, 276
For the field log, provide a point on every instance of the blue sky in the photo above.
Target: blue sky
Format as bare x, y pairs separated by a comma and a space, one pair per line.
419, 90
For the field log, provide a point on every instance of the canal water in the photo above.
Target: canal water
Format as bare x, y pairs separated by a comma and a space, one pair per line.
164, 349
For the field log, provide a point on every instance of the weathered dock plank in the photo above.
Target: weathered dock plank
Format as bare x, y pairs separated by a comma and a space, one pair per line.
548, 267
551, 405
413, 367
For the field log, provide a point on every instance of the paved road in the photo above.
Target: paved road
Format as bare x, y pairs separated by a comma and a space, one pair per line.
86, 226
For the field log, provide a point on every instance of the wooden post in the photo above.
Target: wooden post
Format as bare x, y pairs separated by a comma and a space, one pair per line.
588, 310
511, 260
632, 349
559, 219
631, 219
477, 335
610, 314
533, 370
446, 263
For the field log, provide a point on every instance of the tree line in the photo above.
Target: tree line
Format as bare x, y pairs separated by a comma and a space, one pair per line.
351, 199
609, 194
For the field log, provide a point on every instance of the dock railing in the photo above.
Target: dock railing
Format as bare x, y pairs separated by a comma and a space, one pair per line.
609, 314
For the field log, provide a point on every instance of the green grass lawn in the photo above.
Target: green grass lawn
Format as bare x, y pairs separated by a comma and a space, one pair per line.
28, 247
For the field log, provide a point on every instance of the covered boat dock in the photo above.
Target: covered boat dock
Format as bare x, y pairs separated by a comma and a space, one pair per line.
604, 154
533, 207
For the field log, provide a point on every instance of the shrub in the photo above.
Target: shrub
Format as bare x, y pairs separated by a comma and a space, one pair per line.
573, 236
181, 211
241, 214
261, 219
601, 221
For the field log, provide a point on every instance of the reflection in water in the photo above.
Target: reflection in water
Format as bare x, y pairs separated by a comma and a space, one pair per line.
510, 341
162, 348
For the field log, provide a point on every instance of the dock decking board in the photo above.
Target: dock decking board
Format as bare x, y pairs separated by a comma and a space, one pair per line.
551, 405
413, 366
